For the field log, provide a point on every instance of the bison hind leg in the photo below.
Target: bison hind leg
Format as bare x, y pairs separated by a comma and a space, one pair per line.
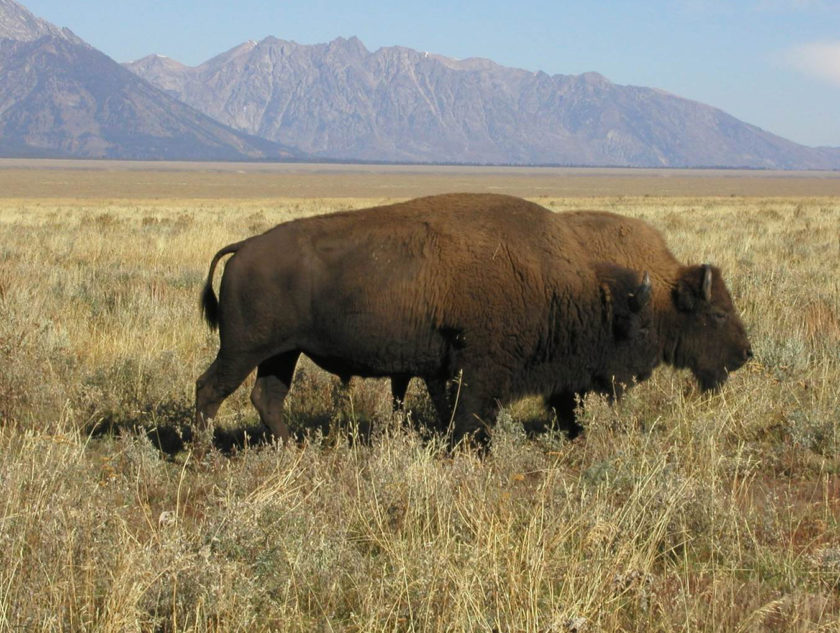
274, 378
220, 380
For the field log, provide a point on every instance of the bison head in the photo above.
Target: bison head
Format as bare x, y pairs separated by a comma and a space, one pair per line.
635, 350
710, 338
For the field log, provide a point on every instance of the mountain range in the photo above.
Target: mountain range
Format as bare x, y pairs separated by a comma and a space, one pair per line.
276, 99
339, 100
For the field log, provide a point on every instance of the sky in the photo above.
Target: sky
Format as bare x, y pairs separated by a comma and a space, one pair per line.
771, 63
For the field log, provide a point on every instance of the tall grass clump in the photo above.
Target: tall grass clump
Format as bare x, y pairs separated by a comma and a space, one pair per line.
675, 511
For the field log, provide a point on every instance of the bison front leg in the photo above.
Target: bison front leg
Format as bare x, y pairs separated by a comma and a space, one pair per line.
274, 378
474, 416
399, 387
474, 411
438, 389
564, 404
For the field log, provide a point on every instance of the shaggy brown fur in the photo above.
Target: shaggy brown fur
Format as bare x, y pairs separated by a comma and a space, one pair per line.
488, 286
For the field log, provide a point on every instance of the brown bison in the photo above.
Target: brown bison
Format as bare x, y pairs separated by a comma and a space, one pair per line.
489, 288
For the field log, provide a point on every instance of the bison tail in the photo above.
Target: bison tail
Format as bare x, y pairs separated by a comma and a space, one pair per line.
209, 304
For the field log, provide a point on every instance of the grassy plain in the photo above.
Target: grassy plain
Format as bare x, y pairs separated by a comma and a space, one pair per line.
675, 512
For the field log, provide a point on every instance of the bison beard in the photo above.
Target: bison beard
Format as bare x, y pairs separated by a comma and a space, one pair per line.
487, 287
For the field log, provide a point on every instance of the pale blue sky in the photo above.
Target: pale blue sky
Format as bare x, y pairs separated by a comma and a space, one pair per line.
772, 63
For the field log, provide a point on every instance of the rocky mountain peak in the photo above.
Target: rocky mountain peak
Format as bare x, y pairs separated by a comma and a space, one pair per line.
18, 23
351, 46
61, 97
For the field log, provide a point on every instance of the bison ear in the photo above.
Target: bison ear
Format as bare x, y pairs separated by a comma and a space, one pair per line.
641, 297
693, 286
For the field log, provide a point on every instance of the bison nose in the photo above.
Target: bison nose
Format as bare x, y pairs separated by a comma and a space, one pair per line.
748, 354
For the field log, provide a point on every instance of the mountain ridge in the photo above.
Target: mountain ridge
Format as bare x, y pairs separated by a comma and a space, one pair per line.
340, 101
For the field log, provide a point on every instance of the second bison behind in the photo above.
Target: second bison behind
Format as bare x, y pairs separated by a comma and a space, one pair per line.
488, 287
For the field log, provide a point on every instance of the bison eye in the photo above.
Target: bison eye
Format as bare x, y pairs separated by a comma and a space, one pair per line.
719, 317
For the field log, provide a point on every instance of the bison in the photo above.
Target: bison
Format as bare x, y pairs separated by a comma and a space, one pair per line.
485, 287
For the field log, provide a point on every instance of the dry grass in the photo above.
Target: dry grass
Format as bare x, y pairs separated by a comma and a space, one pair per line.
675, 512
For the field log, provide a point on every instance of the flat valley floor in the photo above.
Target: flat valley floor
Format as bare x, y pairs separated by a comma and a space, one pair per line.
149, 180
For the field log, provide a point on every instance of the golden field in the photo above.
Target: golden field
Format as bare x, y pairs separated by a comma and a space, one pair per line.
676, 511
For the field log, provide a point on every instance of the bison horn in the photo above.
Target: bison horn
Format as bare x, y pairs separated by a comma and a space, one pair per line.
707, 282
641, 297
